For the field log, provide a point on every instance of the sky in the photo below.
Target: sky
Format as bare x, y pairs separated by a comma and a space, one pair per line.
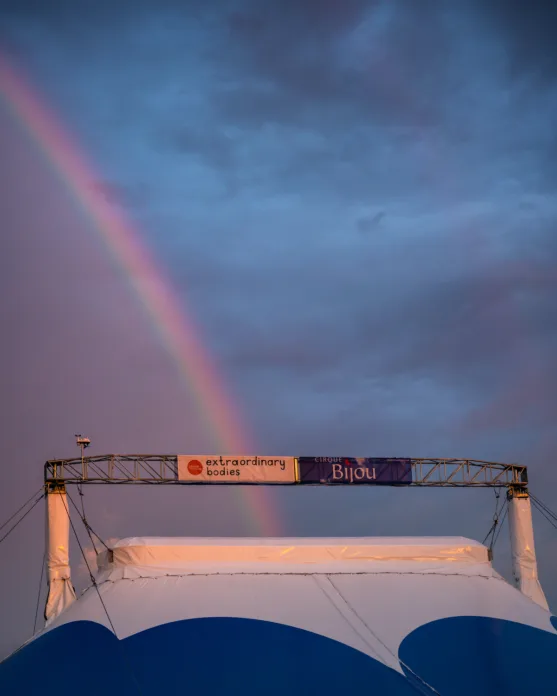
356, 203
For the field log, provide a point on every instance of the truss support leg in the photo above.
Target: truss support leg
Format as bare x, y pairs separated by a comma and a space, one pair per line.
60, 589
525, 567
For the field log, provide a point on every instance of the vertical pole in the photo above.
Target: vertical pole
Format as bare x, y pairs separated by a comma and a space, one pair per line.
525, 567
60, 589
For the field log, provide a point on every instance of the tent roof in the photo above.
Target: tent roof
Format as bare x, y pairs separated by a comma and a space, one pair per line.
152, 556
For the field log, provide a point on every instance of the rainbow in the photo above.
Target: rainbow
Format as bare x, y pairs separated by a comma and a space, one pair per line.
166, 312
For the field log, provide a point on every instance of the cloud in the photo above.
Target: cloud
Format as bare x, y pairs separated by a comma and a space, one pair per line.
368, 224
529, 34
295, 122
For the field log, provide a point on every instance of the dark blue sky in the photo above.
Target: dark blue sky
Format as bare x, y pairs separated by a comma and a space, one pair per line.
356, 200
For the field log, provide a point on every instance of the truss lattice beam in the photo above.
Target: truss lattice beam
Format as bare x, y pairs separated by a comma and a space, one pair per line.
163, 469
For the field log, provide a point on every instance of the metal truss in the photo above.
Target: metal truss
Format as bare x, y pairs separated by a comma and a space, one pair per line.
163, 469
467, 472
114, 468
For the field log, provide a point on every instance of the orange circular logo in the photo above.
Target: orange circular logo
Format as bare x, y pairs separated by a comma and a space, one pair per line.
195, 467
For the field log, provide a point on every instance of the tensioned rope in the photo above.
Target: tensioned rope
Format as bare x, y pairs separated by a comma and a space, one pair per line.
21, 508
20, 520
545, 512
345, 618
39, 592
422, 682
95, 585
506, 508
544, 506
91, 576
90, 530
13, 527
495, 521
83, 518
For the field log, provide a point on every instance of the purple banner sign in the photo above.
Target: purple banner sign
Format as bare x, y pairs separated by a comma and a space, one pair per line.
351, 470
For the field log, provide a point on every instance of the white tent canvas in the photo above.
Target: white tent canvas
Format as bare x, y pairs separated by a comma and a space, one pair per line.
287, 615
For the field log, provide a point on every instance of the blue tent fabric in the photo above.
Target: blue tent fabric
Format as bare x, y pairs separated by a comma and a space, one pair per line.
223, 656
477, 655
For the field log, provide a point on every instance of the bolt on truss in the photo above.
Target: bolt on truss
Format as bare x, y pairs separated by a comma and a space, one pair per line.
163, 469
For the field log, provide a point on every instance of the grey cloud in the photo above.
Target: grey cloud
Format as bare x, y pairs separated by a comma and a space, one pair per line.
422, 311
65, 13
452, 330
210, 144
295, 59
369, 224
529, 32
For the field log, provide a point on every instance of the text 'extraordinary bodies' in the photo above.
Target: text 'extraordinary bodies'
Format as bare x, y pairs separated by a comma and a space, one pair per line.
256, 461
236, 469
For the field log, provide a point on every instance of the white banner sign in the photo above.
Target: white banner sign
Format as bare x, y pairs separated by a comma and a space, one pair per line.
213, 468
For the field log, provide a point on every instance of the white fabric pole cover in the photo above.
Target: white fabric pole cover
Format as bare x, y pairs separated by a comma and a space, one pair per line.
525, 567
60, 589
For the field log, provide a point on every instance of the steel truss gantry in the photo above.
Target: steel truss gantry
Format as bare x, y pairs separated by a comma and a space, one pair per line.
163, 469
